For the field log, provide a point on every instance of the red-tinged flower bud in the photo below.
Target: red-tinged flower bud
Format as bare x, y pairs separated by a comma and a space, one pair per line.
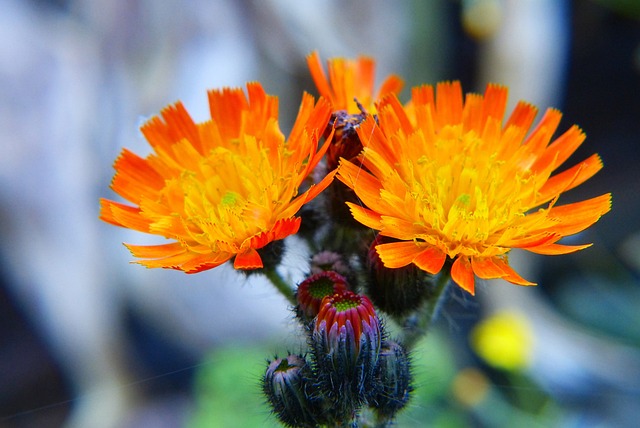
396, 291
289, 387
394, 380
312, 290
345, 344
346, 142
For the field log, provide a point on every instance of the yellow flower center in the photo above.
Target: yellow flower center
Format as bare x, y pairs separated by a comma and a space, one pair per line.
228, 197
465, 194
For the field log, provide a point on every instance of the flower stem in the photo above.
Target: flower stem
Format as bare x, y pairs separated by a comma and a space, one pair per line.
417, 324
283, 287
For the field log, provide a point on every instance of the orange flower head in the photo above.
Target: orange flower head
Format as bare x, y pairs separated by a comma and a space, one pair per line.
446, 178
350, 88
220, 189
350, 80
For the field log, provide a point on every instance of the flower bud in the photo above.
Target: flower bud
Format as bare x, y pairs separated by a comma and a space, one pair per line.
345, 343
312, 290
396, 291
346, 142
288, 386
393, 376
329, 260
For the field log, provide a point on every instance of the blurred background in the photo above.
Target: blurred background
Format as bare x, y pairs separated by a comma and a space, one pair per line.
88, 340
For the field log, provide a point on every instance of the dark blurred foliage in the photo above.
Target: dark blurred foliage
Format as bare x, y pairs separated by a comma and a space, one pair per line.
597, 287
33, 392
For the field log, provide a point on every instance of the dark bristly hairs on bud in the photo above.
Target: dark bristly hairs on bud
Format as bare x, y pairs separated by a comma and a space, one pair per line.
394, 381
397, 292
345, 343
316, 287
330, 260
289, 386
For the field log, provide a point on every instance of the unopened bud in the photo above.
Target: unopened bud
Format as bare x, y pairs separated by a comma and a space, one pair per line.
345, 345
330, 261
393, 376
346, 142
288, 385
396, 291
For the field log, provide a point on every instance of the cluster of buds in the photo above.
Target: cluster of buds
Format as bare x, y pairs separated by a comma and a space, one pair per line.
398, 292
350, 364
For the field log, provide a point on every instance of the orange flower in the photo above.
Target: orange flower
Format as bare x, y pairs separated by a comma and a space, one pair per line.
350, 80
220, 189
446, 178
350, 90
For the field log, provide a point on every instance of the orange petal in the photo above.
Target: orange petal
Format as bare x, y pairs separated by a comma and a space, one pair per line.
156, 251
522, 116
175, 261
557, 249
510, 274
364, 78
373, 138
448, 103
578, 216
495, 102
398, 254
366, 186
315, 189
309, 195
319, 76
430, 260
248, 260
175, 125
227, 107
570, 178
280, 230
310, 123
542, 133
123, 215
196, 265
285, 227
533, 240
486, 268
262, 108
496, 267
135, 177
472, 113
399, 228
560, 150
365, 216
462, 274
199, 263
422, 95
399, 113
315, 126
391, 85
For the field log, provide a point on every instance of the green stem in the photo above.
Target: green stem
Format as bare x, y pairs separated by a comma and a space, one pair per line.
416, 325
283, 287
